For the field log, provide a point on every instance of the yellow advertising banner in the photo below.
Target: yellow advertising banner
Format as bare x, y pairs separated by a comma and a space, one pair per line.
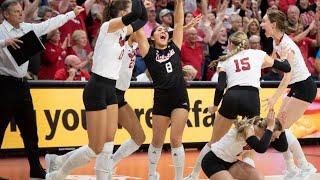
61, 117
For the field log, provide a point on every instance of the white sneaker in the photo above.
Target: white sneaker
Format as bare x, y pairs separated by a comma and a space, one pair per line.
306, 172
51, 163
190, 177
156, 176
290, 174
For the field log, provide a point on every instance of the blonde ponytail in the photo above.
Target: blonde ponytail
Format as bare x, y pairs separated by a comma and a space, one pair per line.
240, 40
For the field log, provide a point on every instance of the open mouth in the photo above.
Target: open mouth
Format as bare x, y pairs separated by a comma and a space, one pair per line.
163, 36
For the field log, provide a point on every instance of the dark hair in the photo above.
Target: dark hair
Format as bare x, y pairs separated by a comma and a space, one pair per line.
113, 7
5, 5
43, 10
153, 30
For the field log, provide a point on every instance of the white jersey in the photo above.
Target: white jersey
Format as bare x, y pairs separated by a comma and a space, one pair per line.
229, 146
299, 69
244, 68
109, 49
128, 61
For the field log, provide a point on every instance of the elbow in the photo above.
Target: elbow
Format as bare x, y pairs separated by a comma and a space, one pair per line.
261, 149
282, 65
283, 148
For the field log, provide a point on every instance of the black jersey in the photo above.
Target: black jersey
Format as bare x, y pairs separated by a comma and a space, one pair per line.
165, 67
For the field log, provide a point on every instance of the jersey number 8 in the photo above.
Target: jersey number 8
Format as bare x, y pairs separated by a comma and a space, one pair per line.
169, 67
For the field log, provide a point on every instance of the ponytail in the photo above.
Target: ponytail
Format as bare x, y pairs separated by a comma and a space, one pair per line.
106, 11
240, 40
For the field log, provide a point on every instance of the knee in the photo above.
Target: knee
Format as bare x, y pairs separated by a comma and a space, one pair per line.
139, 138
176, 141
96, 149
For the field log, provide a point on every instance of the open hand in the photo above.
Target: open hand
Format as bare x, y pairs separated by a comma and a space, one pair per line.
13, 42
270, 102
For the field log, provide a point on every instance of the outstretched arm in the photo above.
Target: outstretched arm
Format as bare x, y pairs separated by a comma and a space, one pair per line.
142, 41
178, 24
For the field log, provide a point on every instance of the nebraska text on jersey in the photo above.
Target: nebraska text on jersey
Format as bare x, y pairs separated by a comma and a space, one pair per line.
163, 58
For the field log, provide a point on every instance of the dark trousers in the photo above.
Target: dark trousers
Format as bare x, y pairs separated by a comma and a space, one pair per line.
16, 103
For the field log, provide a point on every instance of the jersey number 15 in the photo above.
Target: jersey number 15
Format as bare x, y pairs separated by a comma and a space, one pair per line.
242, 64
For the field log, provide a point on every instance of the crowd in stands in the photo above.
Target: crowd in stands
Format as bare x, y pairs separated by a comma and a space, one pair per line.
69, 49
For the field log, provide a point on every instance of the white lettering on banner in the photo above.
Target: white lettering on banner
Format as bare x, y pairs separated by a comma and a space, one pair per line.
163, 57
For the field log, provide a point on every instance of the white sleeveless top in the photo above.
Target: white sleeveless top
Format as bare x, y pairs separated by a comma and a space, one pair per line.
299, 69
108, 52
244, 68
229, 146
128, 61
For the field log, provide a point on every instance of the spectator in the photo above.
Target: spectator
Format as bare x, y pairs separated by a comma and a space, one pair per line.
165, 16
192, 52
45, 13
236, 24
254, 42
293, 16
307, 11
284, 4
152, 23
305, 44
77, 23
72, 70
80, 40
52, 58
253, 27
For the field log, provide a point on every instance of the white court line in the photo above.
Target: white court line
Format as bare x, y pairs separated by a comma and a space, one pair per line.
123, 177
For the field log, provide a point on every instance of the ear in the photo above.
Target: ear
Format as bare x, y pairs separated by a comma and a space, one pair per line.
274, 25
152, 38
5, 14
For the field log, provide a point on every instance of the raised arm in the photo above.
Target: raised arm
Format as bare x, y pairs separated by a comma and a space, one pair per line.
178, 24
121, 22
142, 41
139, 23
29, 10
55, 22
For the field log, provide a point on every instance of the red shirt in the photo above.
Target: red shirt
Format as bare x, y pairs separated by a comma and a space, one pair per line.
284, 5
196, 12
62, 74
192, 56
78, 23
52, 59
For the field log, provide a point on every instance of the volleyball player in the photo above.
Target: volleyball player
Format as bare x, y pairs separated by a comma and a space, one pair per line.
99, 95
303, 90
171, 102
240, 71
221, 163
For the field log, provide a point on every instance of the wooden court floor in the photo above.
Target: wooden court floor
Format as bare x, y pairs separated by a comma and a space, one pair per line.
271, 164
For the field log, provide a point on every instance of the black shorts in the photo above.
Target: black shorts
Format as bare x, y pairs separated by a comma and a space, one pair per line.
240, 101
304, 90
120, 97
211, 164
99, 93
165, 101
